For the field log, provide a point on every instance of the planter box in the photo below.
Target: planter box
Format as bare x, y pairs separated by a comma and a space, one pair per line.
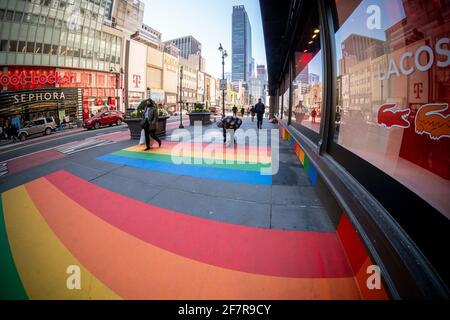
134, 125
204, 117
299, 117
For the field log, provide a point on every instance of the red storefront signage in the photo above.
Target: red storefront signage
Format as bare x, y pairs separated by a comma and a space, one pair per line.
99, 102
388, 117
34, 78
431, 119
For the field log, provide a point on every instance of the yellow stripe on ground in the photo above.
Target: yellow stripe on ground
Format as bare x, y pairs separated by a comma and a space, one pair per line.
41, 259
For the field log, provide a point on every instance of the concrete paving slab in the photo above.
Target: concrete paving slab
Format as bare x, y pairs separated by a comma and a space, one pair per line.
223, 189
146, 176
300, 218
295, 195
218, 209
128, 187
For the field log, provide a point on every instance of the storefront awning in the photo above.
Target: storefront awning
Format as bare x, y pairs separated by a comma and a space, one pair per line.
275, 19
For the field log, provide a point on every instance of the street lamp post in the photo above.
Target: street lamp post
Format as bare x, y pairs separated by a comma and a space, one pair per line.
224, 55
181, 98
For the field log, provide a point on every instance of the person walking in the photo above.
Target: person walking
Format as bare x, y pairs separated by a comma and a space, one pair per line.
314, 115
242, 112
149, 123
235, 110
14, 131
260, 109
253, 113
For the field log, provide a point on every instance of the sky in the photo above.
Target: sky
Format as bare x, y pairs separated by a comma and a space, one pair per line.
209, 21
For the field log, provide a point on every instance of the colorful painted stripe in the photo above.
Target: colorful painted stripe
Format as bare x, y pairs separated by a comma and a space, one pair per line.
212, 152
253, 250
238, 176
11, 287
359, 259
41, 259
209, 163
134, 269
241, 164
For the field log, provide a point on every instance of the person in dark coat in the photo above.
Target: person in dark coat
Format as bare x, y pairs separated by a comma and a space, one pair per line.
150, 122
260, 109
235, 110
14, 131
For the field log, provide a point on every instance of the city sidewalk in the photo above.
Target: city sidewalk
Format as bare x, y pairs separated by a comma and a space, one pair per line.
140, 226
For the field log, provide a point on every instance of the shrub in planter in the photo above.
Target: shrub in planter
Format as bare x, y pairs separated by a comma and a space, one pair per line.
134, 117
200, 113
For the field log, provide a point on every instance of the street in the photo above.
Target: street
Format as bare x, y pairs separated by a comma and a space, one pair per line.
13, 150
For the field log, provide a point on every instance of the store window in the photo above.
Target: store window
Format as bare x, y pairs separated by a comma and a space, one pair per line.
286, 103
307, 86
393, 80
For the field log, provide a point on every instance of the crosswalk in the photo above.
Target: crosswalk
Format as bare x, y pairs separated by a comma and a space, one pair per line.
79, 146
3, 168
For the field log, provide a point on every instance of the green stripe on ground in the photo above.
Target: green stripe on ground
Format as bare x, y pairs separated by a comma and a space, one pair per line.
190, 161
306, 165
11, 287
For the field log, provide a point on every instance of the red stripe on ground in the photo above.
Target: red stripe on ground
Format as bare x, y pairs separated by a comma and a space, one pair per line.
247, 249
33, 160
353, 245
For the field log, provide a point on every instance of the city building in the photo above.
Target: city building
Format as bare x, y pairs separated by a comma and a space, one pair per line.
261, 72
135, 73
188, 45
241, 45
229, 77
61, 54
155, 71
189, 84
171, 49
200, 87
148, 36
198, 60
170, 79
261, 75
125, 14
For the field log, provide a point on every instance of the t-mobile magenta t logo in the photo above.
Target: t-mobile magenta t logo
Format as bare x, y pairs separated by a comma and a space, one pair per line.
136, 80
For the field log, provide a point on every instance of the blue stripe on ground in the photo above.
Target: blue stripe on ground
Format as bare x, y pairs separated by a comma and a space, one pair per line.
238, 176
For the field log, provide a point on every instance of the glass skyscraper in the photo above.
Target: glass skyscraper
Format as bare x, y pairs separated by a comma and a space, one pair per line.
241, 45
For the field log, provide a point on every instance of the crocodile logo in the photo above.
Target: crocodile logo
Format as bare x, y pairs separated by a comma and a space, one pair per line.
431, 121
389, 118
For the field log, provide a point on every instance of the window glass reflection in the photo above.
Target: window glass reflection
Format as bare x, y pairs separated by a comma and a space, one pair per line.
393, 87
307, 86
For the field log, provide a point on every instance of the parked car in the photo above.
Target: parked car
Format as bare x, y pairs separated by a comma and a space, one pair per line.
214, 110
43, 126
177, 113
105, 118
